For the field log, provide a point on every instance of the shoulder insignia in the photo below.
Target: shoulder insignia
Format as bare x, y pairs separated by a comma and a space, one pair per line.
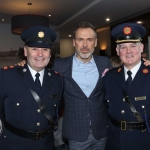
11, 66
145, 71
5, 67
57, 73
119, 69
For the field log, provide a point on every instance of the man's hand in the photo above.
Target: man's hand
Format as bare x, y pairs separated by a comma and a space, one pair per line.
22, 63
146, 62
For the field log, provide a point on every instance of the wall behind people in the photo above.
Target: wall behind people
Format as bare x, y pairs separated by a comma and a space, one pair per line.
9, 41
104, 40
66, 47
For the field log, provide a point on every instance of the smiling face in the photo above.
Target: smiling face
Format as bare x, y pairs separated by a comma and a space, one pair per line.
130, 53
85, 41
37, 58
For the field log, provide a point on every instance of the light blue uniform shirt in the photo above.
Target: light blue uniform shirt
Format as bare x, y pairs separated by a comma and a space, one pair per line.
85, 74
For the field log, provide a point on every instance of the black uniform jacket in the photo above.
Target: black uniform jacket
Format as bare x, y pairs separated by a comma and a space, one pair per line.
19, 108
139, 94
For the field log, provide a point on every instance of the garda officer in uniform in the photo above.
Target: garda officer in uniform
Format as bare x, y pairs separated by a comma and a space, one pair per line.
29, 95
127, 92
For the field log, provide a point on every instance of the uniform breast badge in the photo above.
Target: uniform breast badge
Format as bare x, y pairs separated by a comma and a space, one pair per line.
140, 98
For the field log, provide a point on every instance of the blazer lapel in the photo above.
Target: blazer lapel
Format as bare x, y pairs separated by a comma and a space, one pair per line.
99, 84
68, 74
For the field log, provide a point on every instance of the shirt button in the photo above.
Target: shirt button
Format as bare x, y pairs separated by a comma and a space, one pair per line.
122, 111
38, 110
4, 136
17, 104
107, 101
38, 124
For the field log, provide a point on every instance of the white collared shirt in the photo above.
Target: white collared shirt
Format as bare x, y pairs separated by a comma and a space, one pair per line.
134, 70
33, 73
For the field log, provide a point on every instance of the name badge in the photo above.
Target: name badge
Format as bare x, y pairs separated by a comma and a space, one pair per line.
54, 96
140, 98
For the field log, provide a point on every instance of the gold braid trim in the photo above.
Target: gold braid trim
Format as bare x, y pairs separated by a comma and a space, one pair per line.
129, 40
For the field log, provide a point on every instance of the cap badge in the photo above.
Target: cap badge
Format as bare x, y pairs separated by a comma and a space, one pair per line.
145, 71
127, 30
119, 69
41, 34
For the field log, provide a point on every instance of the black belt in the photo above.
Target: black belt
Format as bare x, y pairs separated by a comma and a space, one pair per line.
126, 125
28, 134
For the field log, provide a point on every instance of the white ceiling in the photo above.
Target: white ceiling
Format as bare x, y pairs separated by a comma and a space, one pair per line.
66, 14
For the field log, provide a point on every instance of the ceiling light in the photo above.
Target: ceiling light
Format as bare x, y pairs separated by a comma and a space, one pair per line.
69, 35
23, 21
107, 19
139, 22
3, 20
49, 15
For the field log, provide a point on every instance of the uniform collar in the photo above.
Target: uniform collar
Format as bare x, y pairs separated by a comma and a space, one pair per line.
134, 70
33, 72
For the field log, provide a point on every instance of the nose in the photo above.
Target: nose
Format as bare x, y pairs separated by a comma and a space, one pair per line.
128, 49
40, 52
85, 43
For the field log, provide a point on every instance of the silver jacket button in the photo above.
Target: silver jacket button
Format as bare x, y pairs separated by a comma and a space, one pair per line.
122, 111
38, 110
38, 124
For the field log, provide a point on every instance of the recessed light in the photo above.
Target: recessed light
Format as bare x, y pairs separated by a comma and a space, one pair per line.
69, 35
107, 19
3, 20
139, 22
49, 15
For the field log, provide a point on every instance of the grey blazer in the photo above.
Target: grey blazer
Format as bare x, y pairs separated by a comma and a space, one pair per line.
79, 109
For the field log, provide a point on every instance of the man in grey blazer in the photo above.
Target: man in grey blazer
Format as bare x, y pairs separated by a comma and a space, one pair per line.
85, 114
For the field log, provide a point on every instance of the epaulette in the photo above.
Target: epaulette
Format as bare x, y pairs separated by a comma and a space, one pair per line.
57, 73
10, 67
119, 69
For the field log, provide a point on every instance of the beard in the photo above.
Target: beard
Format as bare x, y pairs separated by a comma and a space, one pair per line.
84, 55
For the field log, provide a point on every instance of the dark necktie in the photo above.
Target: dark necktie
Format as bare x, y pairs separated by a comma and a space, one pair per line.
129, 80
37, 82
